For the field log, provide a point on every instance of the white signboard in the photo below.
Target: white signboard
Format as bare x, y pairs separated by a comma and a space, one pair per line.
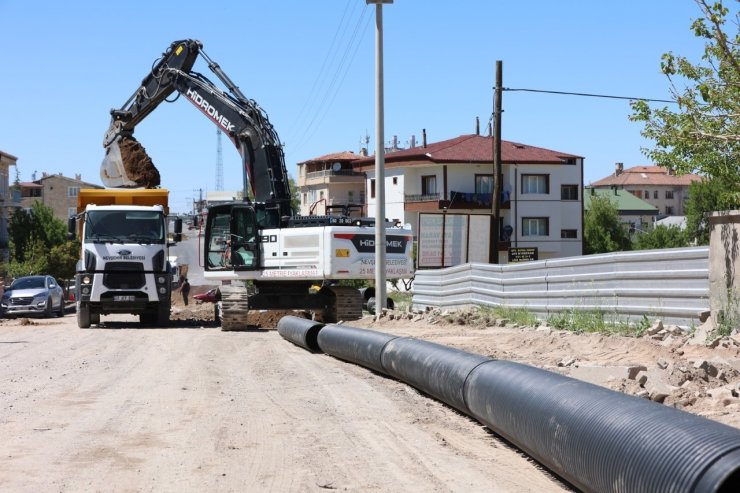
452, 239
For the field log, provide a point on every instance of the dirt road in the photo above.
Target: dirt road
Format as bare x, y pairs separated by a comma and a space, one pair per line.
191, 408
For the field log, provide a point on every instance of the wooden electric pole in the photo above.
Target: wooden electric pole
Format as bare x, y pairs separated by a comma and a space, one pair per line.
497, 175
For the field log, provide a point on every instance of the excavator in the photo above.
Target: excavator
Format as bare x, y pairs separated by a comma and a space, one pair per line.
265, 256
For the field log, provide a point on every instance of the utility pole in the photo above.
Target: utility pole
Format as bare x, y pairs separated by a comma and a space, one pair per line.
380, 289
497, 174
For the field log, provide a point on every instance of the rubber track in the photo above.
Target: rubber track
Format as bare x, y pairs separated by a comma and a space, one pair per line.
235, 307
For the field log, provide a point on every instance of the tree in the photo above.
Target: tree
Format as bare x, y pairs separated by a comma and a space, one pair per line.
603, 232
704, 196
295, 194
703, 135
661, 237
39, 245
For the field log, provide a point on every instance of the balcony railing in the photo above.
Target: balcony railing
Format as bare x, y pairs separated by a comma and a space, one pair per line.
459, 200
422, 197
328, 173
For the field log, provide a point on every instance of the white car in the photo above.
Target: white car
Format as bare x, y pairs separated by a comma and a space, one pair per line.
33, 295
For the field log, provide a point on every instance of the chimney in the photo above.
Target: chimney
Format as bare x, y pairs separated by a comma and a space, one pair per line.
44, 174
394, 145
477, 126
618, 169
671, 172
363, 151
413, 141
78, 176
424, 137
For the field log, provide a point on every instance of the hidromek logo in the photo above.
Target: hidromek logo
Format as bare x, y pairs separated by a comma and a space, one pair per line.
366, 244
210, 110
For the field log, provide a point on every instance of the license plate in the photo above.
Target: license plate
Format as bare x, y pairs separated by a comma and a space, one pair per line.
124, 298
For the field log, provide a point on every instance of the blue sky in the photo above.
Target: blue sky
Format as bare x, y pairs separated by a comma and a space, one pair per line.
310, 66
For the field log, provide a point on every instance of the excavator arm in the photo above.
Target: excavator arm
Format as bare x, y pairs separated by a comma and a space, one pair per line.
126, 163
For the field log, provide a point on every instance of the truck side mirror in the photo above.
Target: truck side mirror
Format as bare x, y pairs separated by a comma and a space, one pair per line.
71, 228
177, 237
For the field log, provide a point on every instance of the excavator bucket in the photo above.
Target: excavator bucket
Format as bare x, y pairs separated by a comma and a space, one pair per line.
127, 165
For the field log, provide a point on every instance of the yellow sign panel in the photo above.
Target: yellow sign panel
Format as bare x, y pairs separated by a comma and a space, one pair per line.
342, 252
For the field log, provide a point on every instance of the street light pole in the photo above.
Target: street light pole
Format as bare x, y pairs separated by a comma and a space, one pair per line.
380, 288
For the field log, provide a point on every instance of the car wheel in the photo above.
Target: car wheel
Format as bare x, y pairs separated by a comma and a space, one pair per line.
60, 313
49, 312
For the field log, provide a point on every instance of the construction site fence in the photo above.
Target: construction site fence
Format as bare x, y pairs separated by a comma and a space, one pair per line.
669, 284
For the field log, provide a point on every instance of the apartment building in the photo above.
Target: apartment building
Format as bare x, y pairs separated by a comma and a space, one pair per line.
444, 191
656, 185
6, 200
57, 191
329, 184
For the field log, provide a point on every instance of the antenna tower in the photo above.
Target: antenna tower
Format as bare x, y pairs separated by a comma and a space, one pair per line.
219, 163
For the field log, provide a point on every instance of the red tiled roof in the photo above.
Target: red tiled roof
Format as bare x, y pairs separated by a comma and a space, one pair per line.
646, 175
336, 156
30, 184
470, 149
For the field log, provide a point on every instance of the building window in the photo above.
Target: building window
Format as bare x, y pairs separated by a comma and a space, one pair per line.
73, 191
646, 194
655, 194
429, 185
568, 192
372, 188
483, 184
536, 184
362, 197
669, 210
395, 180
669, 194
71, 211
304, 198
569, 233
350, 195
535, 226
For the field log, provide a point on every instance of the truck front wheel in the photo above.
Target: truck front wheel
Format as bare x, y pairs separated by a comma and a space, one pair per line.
83, 315
163, 313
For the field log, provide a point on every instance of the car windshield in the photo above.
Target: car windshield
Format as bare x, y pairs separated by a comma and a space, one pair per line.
124, 227
28, 283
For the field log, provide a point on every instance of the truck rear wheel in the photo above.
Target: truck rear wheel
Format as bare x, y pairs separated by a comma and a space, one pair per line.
83, 315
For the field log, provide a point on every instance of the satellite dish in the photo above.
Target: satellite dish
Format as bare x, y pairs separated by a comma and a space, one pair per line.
336, 166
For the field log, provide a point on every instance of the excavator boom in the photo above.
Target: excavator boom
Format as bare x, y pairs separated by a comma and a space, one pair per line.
126, 163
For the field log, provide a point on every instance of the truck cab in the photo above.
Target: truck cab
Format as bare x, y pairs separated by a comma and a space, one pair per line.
123, 265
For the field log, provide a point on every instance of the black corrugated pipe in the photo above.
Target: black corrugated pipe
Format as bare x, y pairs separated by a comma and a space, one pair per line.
593, 437
360, 346
439, 371
599, 439
300, 331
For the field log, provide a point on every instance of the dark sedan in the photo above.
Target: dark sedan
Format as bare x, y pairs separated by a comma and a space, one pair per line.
33, 295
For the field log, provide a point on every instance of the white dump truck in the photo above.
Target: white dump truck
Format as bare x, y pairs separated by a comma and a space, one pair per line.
123, 265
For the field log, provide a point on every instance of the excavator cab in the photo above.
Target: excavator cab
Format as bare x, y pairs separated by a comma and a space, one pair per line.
232, 238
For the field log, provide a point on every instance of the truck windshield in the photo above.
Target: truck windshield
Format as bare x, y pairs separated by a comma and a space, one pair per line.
124, 227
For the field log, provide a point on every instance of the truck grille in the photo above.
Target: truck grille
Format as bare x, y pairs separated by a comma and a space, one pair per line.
124, 275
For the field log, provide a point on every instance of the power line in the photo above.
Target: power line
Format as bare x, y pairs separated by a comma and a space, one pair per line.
590, 95
336, 81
